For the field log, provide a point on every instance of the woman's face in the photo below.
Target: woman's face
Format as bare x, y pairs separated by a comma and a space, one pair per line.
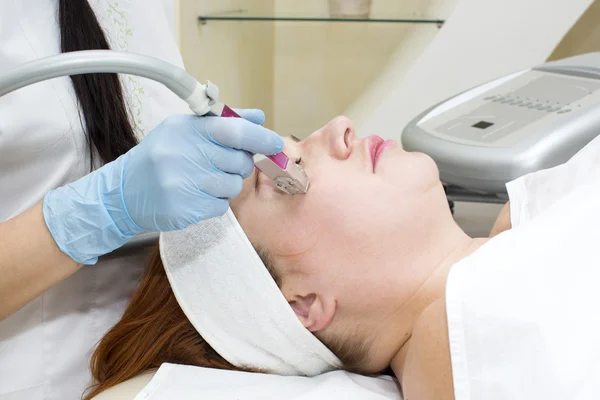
342, 248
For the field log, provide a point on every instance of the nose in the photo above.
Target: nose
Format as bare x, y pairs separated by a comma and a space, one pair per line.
340, 137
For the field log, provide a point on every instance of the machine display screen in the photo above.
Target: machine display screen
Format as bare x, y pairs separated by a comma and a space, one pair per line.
483, 125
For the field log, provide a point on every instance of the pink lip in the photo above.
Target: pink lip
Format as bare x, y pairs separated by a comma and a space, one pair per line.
377, 146
373, 143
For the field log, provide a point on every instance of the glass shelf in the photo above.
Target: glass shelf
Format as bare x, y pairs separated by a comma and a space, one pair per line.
243, 15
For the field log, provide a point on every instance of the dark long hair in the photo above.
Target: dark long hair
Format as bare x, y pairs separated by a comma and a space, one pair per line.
100, 96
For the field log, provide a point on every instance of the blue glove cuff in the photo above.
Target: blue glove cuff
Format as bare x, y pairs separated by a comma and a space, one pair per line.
87, 218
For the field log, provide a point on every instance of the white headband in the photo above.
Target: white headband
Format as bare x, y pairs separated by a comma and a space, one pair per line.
231, 299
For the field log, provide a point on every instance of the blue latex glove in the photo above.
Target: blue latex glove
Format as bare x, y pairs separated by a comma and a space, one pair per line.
181, 173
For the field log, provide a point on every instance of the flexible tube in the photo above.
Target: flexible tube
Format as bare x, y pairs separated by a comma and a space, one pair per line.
107, 61
100, 61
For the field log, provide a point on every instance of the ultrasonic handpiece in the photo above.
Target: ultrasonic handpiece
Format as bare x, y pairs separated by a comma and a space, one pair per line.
289, 177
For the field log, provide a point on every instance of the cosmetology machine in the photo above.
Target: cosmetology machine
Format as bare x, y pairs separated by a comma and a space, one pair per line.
494, 133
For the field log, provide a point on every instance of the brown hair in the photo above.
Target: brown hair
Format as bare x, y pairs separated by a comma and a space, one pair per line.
154, 330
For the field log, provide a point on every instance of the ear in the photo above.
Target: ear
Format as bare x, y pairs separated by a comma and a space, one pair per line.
314, 311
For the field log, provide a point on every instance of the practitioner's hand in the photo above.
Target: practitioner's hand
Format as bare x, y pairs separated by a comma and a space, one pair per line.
186, 170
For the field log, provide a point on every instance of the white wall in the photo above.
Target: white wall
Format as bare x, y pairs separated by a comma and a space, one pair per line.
301, 73
481, 40
237, 56
321, 68
380, 75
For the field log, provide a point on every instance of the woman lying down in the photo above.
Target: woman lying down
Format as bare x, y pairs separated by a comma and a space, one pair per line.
369, 271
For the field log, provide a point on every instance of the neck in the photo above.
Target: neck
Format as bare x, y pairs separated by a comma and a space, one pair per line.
432, 289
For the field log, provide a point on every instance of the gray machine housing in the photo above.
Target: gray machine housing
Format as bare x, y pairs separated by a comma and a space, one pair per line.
496, 132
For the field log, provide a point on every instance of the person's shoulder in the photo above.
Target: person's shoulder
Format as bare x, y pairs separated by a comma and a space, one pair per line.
428, 361
127, 390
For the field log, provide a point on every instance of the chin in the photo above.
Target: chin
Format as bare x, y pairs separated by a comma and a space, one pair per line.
427, 162
411, 165
422, 156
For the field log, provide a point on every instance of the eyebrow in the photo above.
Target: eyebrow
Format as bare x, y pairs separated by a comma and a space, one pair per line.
256, 172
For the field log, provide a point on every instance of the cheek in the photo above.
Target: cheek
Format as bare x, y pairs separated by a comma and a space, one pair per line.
348, 221
301, 221
348, 204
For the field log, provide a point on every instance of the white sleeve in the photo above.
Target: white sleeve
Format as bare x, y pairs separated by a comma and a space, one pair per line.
532, 193
169, 6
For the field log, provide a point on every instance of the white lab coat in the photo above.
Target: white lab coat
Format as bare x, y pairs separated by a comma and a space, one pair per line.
45, 346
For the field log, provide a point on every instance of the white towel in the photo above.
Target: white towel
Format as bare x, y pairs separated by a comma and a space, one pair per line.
185, 382
231, 299
523, 319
